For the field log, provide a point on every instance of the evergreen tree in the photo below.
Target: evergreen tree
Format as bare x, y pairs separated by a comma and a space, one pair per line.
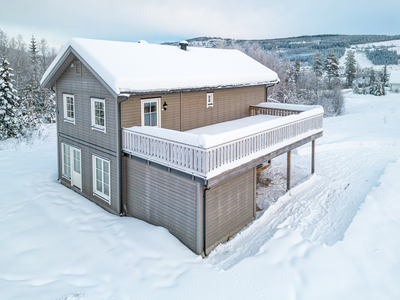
350, 71
332, 68
384, 79
32, 101
10, 114
296, 70
318, 66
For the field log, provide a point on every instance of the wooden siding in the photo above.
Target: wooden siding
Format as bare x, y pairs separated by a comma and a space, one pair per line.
229, 207
189, 110
87, 175
164, 199
170, 118
229, 104
83, 87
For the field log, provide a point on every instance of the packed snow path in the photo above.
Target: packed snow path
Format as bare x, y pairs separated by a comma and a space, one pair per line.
349, 162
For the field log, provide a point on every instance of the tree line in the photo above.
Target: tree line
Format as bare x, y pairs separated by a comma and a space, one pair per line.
24, 105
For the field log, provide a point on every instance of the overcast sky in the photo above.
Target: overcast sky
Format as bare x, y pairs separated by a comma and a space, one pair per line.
174, 20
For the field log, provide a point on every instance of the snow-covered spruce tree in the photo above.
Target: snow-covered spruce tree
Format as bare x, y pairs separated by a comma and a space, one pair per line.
375, 84
32, 103
332, 69
350, 70
318, 67
10, 114
384, 80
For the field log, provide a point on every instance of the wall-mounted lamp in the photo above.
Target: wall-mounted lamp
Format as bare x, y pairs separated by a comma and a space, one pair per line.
165, 105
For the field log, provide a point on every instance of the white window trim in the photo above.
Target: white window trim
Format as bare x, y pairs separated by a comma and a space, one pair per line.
67, 119
211, 97
63, 161
95, 192
71, 161
94, 126
143, 101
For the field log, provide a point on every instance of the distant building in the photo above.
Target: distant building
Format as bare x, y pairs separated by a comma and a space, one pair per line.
394, 81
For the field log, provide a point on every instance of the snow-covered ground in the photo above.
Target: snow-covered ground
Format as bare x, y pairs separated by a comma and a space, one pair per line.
335, 235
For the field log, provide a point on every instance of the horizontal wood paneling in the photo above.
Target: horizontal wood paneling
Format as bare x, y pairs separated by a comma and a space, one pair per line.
170, 118
229, 207
87, 175
83, 87
163, 199
229, 104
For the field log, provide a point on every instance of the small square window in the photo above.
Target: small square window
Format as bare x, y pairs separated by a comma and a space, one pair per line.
99, 114
210, 100
69, 108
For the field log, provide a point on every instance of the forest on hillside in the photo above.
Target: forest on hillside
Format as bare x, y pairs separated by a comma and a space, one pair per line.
308, 68
302, 47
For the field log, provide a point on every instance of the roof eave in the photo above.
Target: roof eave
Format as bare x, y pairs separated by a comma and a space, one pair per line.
198, 89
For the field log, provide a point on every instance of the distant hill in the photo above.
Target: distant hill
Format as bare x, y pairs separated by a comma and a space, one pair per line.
303, 46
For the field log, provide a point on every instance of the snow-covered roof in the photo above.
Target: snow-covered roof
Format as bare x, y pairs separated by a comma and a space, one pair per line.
140, 68
394, 77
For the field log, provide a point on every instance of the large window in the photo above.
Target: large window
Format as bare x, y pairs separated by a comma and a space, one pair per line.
71, 164
151, 112
101, 177
69, 108
98, 114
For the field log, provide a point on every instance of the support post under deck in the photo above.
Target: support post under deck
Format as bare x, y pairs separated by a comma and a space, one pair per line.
289, 158
313, 157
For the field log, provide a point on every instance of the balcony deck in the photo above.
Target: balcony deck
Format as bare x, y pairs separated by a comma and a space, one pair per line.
210, 151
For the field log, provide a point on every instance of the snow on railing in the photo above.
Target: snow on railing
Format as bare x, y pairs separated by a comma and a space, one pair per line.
207, 162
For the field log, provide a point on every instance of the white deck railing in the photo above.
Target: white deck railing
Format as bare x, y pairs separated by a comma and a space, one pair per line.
208, 162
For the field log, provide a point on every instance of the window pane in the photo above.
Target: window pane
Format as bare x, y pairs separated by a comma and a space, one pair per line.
147, 120
153, 106
98, 163
99, 174
106, 166
146, 107
99, 186
106, 190
153, 119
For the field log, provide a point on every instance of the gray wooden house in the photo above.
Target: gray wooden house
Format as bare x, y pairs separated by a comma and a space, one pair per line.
172, 136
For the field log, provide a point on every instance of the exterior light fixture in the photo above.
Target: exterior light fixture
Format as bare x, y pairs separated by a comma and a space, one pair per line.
165, 105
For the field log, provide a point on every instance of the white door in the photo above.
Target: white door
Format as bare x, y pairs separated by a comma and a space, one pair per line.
76, 174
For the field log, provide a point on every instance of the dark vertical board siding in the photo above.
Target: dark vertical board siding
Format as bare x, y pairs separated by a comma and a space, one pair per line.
164, 199
229, 207
83, 87
87, 175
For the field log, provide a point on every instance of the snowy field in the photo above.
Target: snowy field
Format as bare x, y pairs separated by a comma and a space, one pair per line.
364, 62
335, 235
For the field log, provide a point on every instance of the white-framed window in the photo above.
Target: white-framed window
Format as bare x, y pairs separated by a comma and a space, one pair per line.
210, 100
101, 177
151, 112
71, 164
69, 108
99, 114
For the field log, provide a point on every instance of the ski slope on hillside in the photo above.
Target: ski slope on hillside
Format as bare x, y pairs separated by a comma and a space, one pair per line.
333, 236
362, 59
